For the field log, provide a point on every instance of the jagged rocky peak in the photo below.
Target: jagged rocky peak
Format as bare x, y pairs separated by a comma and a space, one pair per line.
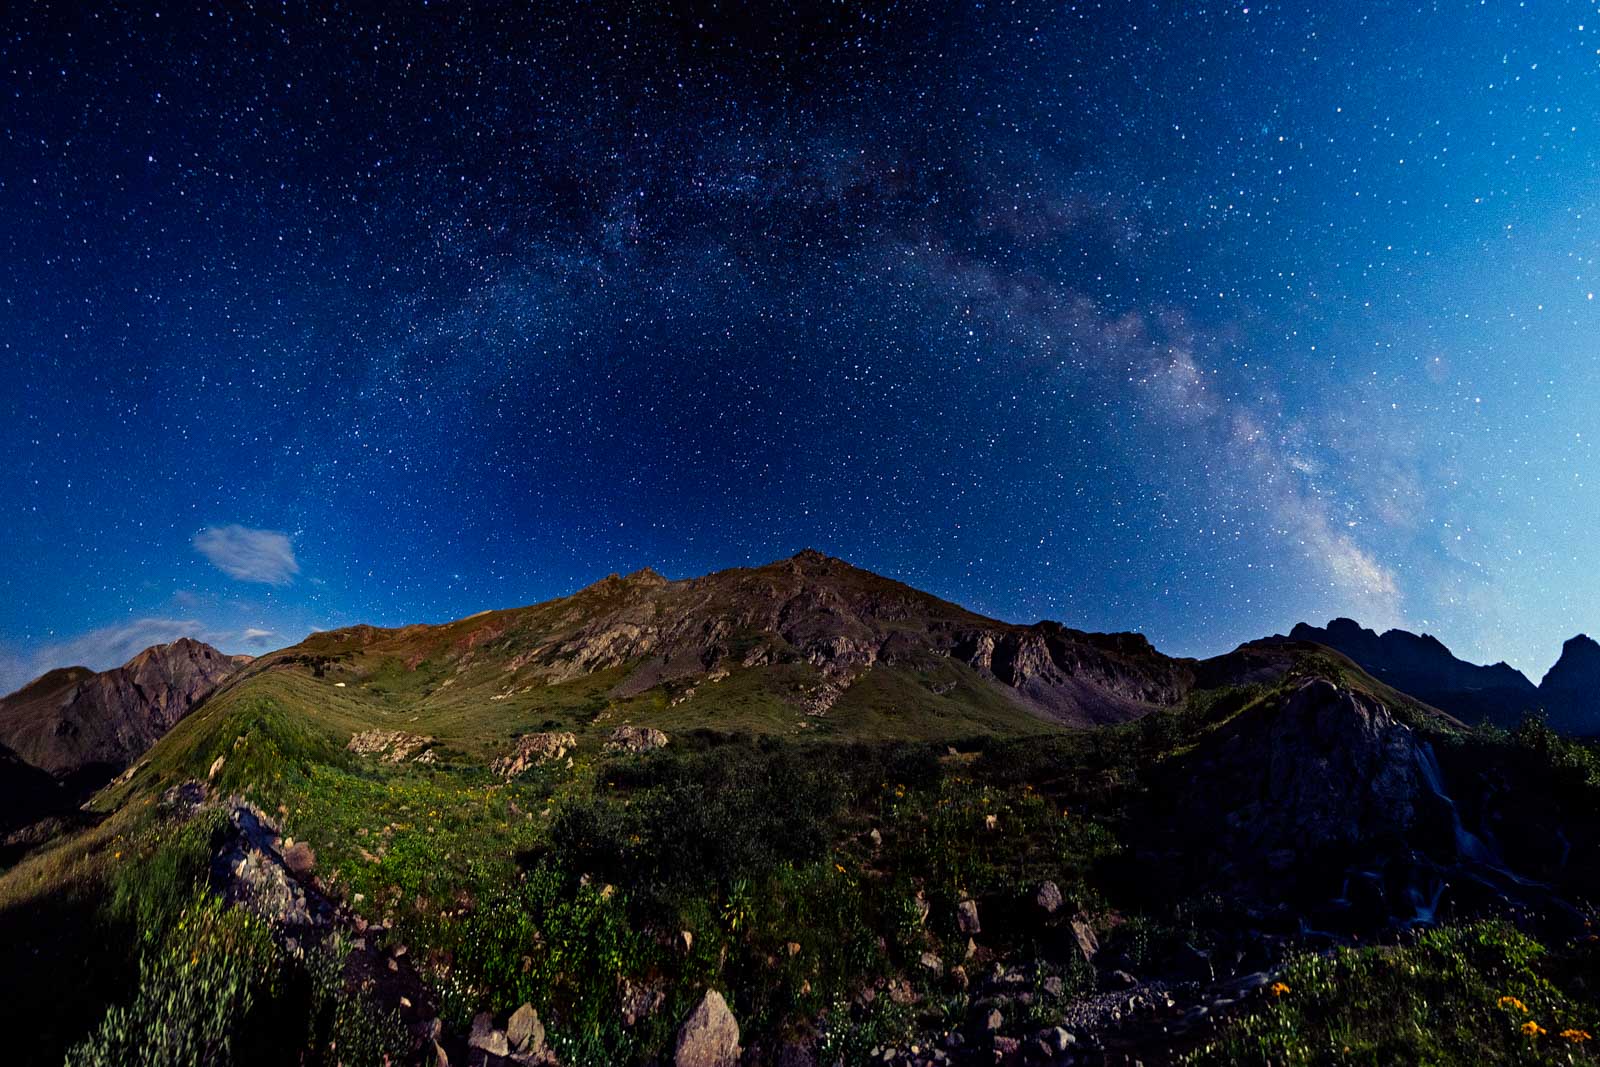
1578, 669
76, 720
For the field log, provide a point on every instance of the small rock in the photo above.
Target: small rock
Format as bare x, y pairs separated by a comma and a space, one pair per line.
709, 1037
1061, 1039
1119, 980
1083, 935
1053, 985
991, 1021
967, 917
932, 963
216, 767
958, 975
1048, 898
485, 1036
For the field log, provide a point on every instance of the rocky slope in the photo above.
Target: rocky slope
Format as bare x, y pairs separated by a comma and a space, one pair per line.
806, 631
74, 723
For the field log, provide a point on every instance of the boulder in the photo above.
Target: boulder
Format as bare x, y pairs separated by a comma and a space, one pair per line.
1327, 768
709, 1037
524, 1031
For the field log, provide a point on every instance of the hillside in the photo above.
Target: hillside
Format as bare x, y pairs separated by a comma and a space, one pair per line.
812, 814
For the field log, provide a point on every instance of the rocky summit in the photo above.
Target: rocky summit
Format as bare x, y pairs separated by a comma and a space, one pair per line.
75, 722
798, 815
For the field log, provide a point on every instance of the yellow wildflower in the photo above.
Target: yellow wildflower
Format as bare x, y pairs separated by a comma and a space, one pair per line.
1513, 1002
1532, 1029
839, 867
1278, 989
1577, 1037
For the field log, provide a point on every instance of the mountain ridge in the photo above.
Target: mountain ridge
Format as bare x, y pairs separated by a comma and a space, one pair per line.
1423, 666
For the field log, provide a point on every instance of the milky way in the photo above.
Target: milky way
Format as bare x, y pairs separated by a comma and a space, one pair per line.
1198, 322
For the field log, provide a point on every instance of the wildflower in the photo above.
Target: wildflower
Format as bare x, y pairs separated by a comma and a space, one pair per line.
839, 867
1513, 1002
1577, 1037
1278, 989
1532, 1029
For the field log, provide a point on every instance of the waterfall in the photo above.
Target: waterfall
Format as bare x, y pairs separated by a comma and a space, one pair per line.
1468, 844
1425, 907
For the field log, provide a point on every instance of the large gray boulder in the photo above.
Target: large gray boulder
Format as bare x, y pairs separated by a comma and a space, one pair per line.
709, 1037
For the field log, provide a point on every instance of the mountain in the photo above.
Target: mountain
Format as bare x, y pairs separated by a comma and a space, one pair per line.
1571, 689
1422, 666
809, 644
736, 809
74, 723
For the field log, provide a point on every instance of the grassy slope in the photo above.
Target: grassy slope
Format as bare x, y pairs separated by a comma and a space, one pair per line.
694, 837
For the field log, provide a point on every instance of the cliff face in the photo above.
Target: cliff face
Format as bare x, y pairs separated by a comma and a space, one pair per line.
73, 721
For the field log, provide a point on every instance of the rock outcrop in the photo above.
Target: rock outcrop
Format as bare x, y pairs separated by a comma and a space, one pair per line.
391, 746
532, 750
1327, 769
636, 739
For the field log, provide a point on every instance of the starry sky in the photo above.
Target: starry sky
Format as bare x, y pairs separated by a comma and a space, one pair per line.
1196, 319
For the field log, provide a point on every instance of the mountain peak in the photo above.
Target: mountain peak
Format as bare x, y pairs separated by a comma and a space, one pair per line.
1577, 672
73, 719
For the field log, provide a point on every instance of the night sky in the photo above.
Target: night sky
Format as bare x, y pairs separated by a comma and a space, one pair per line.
1193, 319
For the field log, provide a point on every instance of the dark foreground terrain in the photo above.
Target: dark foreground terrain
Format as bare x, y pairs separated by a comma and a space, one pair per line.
803, 815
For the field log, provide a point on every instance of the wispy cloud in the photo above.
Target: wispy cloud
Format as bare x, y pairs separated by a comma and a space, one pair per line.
250, 555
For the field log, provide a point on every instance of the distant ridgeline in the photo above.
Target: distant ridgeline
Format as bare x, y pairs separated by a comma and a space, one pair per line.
1422, 666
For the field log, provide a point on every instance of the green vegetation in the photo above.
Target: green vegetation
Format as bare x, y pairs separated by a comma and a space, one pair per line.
1467, 995
802, 866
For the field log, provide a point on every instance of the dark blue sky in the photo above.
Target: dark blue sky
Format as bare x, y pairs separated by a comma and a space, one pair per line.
1192, 319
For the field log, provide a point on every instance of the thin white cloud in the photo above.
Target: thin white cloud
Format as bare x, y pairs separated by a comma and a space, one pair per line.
255, 634
249, 555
